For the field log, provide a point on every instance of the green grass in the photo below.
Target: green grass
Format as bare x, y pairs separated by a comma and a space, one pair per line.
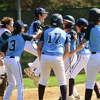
81, 78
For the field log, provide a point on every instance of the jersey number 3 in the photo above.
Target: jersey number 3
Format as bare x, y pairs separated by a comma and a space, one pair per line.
12, 42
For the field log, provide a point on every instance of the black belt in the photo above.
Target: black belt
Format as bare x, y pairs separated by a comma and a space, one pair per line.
93, 52
12, 56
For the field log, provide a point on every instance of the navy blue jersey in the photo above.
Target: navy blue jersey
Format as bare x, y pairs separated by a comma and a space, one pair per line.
54, 41
16, 44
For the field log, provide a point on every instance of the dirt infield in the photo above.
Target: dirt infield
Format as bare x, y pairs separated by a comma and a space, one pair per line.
51, 93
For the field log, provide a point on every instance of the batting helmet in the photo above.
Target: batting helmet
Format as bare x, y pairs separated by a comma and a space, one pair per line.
40, 11
17, 26
94, 14
82, 22
56, 20
69, 19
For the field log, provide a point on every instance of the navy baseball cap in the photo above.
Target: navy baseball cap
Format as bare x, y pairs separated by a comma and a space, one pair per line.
42, 10
81, 21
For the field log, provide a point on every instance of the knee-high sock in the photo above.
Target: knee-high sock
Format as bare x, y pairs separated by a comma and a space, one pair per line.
71, 86
96, 90
41, 90
63, 89
88, 94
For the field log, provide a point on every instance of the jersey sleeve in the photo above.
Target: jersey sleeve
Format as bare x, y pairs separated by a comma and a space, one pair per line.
36, 27
87, 35
27, 37
4, 47
68, 40
72, 33
41, 38
6, 35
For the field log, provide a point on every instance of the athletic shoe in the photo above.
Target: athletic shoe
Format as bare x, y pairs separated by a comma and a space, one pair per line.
71, 97
30, 64
77, 97
60, 98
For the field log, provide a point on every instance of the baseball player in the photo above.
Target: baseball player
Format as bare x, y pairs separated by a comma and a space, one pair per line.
84, 53
15, 48
94, 63
31, 47
68, 25
5, 33
53, 48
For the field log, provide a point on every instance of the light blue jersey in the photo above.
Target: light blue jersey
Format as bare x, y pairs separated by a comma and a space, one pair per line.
33, 29
95, 39
85, 50
16, 44
54, 41
73, 41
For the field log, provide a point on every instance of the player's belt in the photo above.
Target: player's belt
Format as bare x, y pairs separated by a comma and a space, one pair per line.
12, 56
93, 52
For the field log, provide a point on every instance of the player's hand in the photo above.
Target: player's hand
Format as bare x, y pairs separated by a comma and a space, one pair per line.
1, 63
40, 31
2, 55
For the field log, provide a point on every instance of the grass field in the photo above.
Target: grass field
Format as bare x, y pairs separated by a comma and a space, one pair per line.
81, 78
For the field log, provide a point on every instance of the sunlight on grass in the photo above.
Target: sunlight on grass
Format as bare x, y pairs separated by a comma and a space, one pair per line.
81, 78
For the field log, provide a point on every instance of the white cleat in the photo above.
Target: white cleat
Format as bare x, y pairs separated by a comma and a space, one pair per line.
77, 97
71, 98
30, 64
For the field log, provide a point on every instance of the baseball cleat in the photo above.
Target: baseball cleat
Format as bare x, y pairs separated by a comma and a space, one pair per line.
30, 64
71, 98
60, 98
77, 97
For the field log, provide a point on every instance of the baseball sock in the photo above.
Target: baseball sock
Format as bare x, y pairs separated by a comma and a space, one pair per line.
41, 89
88, 94
71, 86
96, 90
63, 89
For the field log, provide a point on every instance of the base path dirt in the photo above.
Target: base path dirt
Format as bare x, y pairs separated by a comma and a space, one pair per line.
51, 93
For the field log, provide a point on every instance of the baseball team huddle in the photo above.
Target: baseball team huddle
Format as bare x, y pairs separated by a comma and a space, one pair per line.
66, 46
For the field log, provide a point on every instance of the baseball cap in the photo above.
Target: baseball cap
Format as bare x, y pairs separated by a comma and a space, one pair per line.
42, 10
81, 21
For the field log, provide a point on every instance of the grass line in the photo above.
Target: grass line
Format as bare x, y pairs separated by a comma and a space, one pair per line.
81, 78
